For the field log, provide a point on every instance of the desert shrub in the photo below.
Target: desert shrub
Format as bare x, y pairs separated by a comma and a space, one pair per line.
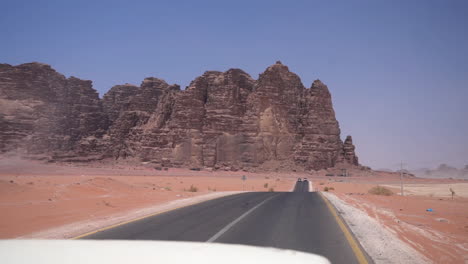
167, 188
271, 190
265, 185
379, 190
325, 189
331, 188
321, 183
192, 189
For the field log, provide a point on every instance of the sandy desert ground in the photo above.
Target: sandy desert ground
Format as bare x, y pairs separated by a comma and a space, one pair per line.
441, 234
36, 197
63, 201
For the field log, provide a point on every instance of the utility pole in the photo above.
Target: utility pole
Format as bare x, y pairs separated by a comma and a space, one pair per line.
401, 177
243, 182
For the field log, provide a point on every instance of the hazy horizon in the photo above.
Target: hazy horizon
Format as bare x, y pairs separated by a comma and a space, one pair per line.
397, 71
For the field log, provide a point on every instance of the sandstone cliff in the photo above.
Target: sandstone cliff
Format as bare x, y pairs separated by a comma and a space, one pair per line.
222, 120
44, 113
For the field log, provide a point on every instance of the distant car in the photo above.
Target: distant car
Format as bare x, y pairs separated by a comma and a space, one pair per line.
299, 179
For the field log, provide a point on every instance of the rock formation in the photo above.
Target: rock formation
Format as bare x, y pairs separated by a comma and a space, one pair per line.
42, 112
223, 120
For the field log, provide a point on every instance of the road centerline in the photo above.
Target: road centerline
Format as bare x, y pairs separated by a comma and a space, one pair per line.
230, 225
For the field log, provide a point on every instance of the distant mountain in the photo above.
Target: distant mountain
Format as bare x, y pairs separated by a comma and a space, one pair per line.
443, 171
385, 170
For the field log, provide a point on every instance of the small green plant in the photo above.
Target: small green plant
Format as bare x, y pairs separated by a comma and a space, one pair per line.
271, 190
453, 192
379, 190
265, 185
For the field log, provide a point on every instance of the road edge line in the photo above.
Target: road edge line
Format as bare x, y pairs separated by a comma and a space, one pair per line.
359, 253
142, 217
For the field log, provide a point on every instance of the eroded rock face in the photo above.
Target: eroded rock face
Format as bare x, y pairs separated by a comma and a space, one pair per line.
347, 155
42, 112
223, 120
117, 100
129, 108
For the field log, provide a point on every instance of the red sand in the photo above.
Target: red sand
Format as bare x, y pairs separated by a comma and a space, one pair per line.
33, 200
441, 235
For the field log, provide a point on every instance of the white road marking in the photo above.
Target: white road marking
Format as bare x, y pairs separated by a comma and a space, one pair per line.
226, 228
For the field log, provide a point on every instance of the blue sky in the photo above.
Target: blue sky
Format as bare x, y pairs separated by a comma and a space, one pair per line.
397, 70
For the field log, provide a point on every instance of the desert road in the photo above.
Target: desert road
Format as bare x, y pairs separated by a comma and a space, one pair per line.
298, 220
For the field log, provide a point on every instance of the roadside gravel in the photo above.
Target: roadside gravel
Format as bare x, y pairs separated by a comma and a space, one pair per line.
378, 241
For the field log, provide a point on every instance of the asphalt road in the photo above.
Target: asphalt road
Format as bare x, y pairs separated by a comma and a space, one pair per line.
298, 220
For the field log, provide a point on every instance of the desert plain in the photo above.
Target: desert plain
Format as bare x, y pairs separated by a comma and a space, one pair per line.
64, 201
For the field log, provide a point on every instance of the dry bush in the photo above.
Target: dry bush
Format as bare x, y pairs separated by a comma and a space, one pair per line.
192, 189
379, 190
265, 185
271, 190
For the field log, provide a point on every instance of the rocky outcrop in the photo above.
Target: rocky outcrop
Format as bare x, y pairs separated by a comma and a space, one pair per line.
129, 108
117, 100
44, 113
347, 154
224, 120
